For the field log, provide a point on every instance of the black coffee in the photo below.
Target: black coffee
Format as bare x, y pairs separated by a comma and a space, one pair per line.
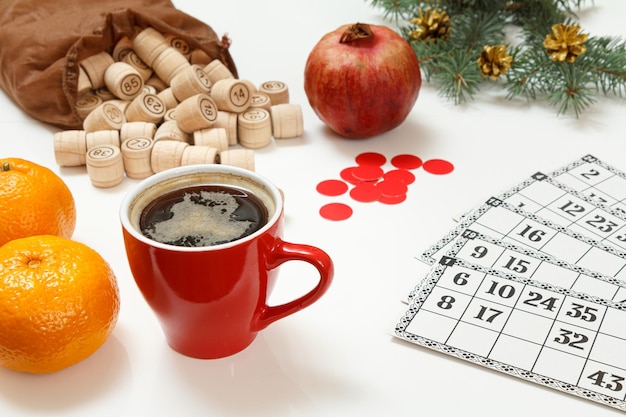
203, 215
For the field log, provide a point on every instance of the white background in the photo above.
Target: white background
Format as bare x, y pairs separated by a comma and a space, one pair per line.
338, 356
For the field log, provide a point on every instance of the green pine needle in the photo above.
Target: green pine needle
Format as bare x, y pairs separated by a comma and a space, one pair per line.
458, 77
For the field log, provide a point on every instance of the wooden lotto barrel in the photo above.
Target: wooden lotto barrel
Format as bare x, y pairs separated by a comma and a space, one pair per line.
105, 166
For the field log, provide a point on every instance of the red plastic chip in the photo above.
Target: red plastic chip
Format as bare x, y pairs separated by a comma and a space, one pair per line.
336, 211
365, 192
438, 166
406, 161
332, 187
389, 188
371, 158
348, 175
401, 175
392, 200
368, 172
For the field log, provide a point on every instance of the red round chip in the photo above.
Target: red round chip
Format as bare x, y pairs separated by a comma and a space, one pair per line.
389, 188
406, 161
336, 211
368, 172
371, 158
332, 187
438, 166
401, 175
348, 175
365, 192
392, 200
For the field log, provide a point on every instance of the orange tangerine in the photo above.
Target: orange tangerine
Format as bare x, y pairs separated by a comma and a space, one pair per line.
33, 201
59, 302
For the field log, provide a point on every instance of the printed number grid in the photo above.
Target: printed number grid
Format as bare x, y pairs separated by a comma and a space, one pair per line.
487, 252
544, 197
595, 179
543, 333
502, 221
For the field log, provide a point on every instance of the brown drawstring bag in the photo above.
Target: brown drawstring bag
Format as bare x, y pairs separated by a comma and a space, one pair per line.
43, 42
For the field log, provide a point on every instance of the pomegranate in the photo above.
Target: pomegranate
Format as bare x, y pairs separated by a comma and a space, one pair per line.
362, 80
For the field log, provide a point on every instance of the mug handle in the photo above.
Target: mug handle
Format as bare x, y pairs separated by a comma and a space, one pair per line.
283, 252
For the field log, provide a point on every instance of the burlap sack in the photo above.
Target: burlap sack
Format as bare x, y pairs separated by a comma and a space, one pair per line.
42, 43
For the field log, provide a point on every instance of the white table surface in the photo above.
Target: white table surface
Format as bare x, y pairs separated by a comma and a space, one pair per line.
337, 357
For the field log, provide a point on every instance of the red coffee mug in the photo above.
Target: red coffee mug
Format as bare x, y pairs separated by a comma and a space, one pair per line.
211, 301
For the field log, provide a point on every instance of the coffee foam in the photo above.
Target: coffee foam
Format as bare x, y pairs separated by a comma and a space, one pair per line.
201, 178
204, 215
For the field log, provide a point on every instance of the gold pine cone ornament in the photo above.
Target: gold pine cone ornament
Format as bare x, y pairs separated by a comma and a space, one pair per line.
565, 43
431, 24
494, 61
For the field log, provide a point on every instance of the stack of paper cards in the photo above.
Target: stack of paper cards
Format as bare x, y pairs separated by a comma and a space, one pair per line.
532, 283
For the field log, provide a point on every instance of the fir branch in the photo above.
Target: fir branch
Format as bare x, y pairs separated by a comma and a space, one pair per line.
570, 6
459, 76
570, 90
428, 54
605, 61
570, 87
471, 31
396, 10
527, 77
594, 64
537, 16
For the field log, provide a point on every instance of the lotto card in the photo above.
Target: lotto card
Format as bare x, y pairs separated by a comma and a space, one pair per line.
478, 249
533, 283
552, 200
536, 331
508, 223
593, 190
595, 179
